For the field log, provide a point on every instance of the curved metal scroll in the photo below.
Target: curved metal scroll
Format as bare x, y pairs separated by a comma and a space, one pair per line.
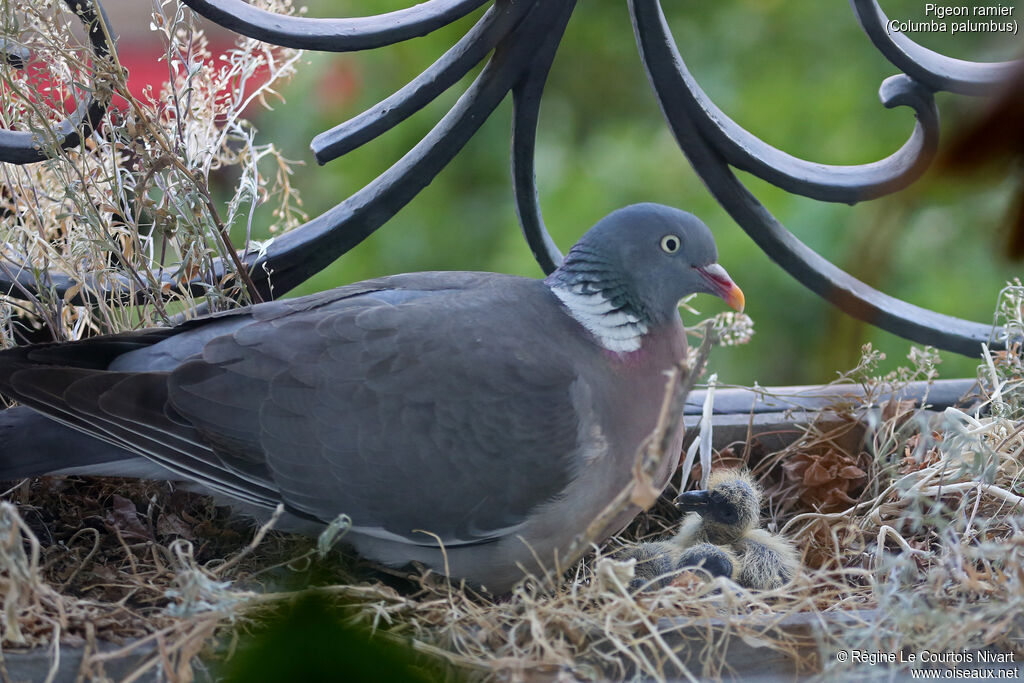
931, 69
14, 53
424, 89
849, 184
25, 147
526, 111
333, 35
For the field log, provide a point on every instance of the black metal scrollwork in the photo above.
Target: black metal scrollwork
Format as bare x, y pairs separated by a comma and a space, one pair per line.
673, 86
334, 35
522, 37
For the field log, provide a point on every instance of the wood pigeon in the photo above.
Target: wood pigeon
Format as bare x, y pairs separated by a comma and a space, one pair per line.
492, 415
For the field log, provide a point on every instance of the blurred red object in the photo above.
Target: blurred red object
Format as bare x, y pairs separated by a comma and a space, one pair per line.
147, 72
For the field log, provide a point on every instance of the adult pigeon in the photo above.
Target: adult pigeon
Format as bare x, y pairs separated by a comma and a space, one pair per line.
473, 422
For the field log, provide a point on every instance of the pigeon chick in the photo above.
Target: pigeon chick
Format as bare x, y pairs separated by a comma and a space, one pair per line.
659, 563
725, 515
655, 564
714, 560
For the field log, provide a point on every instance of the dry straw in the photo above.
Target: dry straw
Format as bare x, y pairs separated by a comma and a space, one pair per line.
135, 204
909, 521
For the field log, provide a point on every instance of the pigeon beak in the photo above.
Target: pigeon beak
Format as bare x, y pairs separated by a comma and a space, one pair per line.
692, 501
722, 285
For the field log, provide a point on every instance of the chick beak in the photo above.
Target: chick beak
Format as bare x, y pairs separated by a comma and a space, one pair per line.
722, 285
693, 501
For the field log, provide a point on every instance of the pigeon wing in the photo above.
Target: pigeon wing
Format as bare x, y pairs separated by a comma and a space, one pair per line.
445, 411
421, 405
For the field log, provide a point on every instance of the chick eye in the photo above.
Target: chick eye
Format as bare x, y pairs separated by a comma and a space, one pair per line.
670, 244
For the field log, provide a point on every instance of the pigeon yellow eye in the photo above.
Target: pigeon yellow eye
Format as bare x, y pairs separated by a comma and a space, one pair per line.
670, 244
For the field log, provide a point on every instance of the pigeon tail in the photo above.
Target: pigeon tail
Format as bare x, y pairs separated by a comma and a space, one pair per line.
32, 444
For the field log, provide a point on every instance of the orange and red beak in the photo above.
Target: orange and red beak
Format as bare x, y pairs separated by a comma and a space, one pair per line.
722, 285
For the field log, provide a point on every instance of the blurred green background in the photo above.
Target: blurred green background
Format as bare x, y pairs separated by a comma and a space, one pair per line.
799, 74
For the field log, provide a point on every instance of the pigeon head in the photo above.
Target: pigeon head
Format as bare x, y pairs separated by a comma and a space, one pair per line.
729, 507
629, 272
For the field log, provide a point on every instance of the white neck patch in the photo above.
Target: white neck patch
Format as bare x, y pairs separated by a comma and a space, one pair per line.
615, 330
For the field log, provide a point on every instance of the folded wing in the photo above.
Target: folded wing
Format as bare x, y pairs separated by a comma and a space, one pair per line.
410, 403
